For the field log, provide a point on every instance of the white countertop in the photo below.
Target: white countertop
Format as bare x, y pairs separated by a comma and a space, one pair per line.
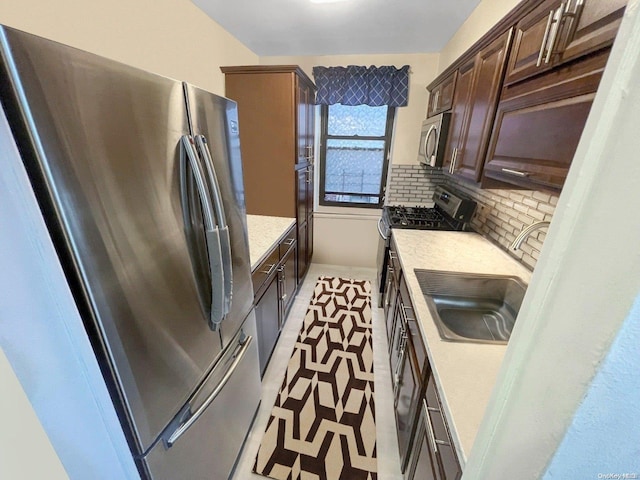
464, 372
264, 232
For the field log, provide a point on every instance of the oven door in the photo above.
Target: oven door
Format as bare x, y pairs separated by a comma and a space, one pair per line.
433, 139
384, 240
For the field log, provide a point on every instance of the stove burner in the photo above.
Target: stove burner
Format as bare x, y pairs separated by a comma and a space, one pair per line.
423, 218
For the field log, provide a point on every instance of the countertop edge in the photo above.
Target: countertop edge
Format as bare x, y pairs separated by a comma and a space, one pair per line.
260, 245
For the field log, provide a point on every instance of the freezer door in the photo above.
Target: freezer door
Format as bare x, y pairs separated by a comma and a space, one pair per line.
214, 127
102, 144
204, 442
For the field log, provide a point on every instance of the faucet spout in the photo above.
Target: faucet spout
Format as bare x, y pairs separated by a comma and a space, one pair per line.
525, 233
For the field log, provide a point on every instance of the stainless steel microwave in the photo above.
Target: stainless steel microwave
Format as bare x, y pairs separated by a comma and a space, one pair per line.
433, 139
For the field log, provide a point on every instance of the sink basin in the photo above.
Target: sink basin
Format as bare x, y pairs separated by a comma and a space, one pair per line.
469, 307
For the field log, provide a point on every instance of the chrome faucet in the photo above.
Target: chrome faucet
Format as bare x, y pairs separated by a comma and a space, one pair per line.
525, 233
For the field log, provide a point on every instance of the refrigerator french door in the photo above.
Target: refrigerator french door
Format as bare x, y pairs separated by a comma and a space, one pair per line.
146, 211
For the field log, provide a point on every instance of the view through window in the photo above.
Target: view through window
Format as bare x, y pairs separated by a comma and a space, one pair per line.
355, 143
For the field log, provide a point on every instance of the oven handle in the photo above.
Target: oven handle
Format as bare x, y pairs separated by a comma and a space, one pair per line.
382, 235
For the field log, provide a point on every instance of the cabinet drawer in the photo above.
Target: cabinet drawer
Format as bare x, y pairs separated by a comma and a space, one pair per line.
265, 270
287, 242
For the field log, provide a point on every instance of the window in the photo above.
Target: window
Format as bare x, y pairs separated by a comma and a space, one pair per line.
354, 154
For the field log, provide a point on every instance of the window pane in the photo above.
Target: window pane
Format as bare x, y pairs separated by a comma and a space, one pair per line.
354, 166
360, 120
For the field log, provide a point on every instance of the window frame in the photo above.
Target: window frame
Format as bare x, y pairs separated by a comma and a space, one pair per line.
387, 138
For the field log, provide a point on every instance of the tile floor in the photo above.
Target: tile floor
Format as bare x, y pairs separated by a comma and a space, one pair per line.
387, 448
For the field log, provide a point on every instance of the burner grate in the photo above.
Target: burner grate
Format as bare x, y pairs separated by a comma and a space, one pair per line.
423, 218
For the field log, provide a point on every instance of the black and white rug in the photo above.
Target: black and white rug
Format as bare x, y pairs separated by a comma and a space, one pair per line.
322, 425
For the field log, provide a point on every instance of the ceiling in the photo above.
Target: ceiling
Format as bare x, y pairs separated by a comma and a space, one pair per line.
299, 27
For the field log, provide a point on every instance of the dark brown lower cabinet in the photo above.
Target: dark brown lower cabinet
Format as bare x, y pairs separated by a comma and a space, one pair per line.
275, 282
268, 321
424, 441
432, 455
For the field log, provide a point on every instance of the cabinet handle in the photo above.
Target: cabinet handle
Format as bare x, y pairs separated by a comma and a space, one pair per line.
454, 158
555, 28
573, 16
427, 420
545, 38
517, 173
289, 241
270, 270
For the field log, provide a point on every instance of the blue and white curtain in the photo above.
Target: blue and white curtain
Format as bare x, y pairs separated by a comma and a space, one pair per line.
356, 85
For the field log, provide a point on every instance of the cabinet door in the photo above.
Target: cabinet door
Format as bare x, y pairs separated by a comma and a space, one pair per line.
268, 322
532, 34
303, 263
309, 200
305, 104
446, 460
459, 112
423, 463
288, 281
407, 399
302, 194
441, 96
485, 90
539, 123
590, 25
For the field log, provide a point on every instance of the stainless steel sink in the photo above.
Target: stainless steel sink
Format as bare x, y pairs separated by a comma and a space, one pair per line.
469, 307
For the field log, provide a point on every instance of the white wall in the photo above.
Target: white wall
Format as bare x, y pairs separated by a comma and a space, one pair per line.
25, 449
169, 37
580, 298
348, 236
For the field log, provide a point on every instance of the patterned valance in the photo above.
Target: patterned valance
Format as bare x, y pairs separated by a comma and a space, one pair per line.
355, 85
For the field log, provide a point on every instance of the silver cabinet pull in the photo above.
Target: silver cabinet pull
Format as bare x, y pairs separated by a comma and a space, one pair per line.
517, 173
545, 38
270, 269
427, 420
225, 379
573, 19
288, 242
555, 28
454, 158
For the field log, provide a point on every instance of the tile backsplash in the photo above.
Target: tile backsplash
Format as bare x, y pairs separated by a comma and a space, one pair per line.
412, 184
500, 216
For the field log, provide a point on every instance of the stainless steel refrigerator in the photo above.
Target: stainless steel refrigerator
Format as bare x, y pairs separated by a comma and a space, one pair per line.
140, 183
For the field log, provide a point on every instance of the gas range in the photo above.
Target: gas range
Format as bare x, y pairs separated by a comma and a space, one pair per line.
422, 218
450, 212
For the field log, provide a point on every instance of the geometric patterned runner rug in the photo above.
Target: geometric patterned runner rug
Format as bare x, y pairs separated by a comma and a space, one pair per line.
322, 426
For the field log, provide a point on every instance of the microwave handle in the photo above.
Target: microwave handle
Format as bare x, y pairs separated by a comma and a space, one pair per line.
427, 156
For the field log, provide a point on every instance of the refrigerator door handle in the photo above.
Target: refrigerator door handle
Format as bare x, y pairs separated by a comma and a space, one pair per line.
193, 418
212, 235
225, 243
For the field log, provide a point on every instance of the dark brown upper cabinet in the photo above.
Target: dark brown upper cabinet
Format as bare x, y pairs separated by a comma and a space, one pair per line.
539, 124
557, 32
475, 101
441, 96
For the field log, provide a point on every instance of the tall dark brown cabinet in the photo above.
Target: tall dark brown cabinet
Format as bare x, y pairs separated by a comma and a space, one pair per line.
276, 112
